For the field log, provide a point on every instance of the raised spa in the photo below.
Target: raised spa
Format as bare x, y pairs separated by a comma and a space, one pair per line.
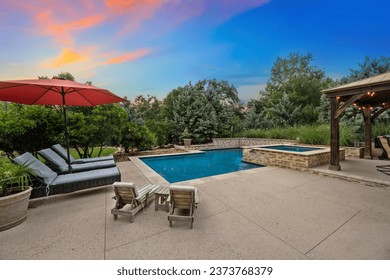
289, 156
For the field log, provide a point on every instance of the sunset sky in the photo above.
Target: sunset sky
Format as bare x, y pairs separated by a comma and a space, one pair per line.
150, 47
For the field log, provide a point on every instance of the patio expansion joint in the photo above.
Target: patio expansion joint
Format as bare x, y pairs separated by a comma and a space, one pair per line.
136, 240
333, 232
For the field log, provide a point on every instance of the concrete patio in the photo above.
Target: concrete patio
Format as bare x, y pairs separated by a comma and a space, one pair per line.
264, 213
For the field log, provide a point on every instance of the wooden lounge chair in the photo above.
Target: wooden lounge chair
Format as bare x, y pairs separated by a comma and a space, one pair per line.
183, 200
61, 166
135, 198
64, 154
383, 142
52, 183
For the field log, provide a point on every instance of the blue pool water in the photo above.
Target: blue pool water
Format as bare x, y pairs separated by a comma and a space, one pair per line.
291, 148
177, 168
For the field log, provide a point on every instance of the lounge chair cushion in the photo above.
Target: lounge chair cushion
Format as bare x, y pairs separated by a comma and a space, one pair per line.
86, 176
64, 154
60, 163
38, 167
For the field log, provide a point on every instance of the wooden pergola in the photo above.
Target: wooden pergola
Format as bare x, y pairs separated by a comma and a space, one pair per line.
371, 96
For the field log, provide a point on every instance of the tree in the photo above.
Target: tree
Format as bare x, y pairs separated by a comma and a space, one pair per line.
137, 137
66, 76
302, 83
25, 128
98, 126
285, 112
223, 97
192, 111
368, 68
208, 109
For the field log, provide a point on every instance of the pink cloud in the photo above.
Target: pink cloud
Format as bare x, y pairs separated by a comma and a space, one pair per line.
63, 31
129, 56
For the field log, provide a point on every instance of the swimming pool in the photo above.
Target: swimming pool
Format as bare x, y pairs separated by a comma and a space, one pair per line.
177, 168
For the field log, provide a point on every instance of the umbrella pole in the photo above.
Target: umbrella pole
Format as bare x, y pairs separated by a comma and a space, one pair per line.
66, 131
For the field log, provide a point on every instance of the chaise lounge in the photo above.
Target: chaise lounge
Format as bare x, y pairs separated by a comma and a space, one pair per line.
383, 142
64, 154
52, 183
61, 166
135, 198
183, 200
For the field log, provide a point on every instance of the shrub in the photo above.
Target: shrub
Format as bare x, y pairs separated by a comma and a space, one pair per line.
305, 134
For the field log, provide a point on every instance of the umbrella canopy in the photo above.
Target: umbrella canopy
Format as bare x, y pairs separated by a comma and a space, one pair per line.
55, 91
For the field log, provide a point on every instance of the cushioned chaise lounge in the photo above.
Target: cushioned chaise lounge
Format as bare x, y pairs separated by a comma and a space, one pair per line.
63, 153
56, 184
383, 142
183, 201
60, 164
135, 198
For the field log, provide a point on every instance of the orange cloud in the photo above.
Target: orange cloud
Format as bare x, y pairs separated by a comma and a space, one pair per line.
132, 4
63, 31
130, 56
66, 57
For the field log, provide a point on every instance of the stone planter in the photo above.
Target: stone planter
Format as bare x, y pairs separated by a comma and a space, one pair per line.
187, 142
13, 209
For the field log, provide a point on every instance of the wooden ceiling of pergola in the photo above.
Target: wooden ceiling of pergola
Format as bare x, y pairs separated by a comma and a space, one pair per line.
374, 92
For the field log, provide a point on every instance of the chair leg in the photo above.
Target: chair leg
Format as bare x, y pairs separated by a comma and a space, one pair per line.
115, 217
131, 219
170, 223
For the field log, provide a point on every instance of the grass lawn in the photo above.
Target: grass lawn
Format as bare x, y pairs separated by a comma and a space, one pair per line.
105, 152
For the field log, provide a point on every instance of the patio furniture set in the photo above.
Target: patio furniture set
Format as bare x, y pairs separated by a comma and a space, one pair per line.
56, 176
180, 201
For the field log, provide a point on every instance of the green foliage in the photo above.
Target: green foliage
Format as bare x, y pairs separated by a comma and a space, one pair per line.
314, 135
293, 91
381, 128
305, 134
290, 133
13, 176
163, 130
137, 137
29, 128
368, 68
193, 112
208, 109
66, 76
98, 126
284, 112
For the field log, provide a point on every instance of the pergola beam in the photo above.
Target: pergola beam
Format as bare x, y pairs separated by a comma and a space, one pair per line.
347, 103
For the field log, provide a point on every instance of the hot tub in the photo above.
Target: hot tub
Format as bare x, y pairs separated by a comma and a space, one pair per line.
289, 156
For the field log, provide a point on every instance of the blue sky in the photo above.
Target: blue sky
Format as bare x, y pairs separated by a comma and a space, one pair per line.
153, 46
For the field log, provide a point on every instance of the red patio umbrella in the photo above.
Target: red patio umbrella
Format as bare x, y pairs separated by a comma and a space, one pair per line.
56, 91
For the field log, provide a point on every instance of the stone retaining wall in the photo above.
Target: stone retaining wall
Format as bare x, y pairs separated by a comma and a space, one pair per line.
226, 143
240, 142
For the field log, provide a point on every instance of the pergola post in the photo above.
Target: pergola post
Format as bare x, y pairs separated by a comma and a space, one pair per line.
334, 135
367, 132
